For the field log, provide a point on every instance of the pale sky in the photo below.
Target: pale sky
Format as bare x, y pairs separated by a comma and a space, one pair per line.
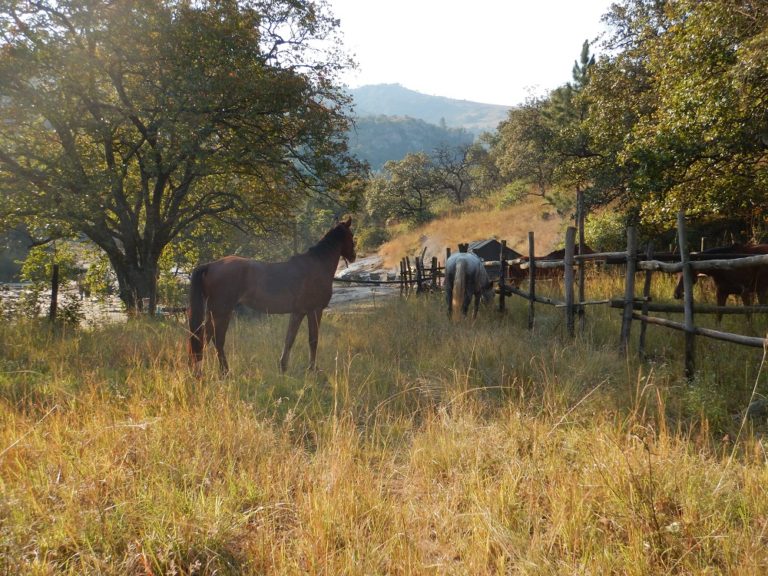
490, 51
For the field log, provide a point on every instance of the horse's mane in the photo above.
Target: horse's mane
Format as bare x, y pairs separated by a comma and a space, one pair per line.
328, 243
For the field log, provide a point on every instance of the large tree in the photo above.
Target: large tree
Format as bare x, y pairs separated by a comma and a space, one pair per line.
130, 122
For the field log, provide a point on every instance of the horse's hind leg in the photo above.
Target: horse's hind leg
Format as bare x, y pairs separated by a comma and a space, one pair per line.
448, 287
466, 302
313, 319
220, 322
290, 336
198, 340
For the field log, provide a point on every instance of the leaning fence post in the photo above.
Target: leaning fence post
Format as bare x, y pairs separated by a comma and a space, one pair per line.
409, 272
629, 289
570, 236
646, 299
531, 281
690, 337
419, 274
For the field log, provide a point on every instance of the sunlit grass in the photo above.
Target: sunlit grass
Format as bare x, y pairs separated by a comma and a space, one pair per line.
423, 447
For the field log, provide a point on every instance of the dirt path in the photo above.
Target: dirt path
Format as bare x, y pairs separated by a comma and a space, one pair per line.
360, 296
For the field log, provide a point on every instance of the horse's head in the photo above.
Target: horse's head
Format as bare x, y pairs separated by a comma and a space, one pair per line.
347, 240
679, 290
488, 293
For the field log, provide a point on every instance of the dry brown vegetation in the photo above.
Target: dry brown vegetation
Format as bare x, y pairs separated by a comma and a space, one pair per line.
511, 224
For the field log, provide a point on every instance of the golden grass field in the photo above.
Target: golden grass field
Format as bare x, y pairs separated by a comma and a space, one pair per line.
424, 447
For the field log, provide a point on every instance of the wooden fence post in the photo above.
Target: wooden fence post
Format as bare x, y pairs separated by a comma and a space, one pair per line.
581, 269
418, 262
531, 281
54, 294
629, 289
434, 274
646, 300
403, 276
502, 272
570, 237
690, 336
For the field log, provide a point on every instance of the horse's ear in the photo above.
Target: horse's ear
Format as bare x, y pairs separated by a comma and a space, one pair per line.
348, 222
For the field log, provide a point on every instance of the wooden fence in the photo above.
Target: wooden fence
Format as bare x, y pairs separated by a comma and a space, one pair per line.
421, 277
639, 308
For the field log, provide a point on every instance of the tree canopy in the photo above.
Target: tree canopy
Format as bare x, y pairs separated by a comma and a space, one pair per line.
679, 108
672, 115
132, 122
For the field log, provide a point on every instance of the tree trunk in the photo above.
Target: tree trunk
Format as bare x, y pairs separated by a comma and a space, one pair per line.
136, 284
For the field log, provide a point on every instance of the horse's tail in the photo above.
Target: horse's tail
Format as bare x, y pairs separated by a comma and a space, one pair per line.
197, 313
459, 285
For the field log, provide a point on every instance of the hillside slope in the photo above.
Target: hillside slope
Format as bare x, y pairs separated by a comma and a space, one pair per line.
511, 224
377, 139
396, 100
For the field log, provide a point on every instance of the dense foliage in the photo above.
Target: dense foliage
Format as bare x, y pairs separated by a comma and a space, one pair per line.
688, 85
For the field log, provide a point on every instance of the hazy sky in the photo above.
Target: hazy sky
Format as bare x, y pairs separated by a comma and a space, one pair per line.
490, 51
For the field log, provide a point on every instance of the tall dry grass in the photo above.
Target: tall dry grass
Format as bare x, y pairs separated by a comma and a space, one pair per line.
425, 447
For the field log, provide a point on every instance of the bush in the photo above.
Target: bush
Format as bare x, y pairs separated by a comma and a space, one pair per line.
371, 238
606, 231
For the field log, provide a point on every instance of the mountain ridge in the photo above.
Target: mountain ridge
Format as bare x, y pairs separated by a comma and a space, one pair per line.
399, 101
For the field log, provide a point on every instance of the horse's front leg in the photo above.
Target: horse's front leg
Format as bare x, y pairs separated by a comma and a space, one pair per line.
290, 336
746, 298
313, 319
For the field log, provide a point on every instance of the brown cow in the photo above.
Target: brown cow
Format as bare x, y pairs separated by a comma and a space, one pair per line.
743, 282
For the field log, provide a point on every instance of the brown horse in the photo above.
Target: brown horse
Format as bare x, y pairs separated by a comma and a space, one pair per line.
743, 282
517, 274
301, 287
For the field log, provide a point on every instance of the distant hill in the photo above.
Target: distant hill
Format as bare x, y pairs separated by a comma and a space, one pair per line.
378, 139
395, 100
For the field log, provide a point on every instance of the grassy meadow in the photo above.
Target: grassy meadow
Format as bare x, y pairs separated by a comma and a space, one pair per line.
423, 447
